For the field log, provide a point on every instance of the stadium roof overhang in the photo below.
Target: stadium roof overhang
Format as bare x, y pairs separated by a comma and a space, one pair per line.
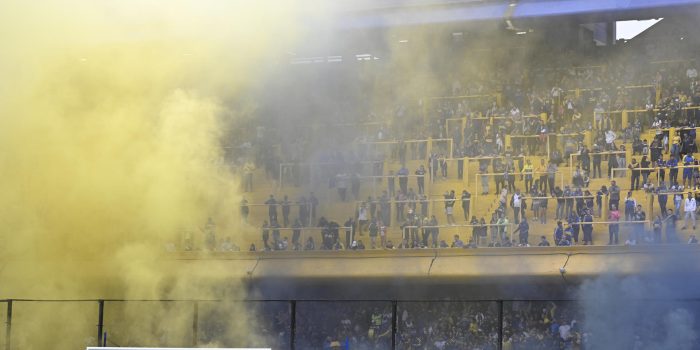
396, 13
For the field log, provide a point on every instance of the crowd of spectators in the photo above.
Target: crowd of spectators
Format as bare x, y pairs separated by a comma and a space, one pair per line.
343, 325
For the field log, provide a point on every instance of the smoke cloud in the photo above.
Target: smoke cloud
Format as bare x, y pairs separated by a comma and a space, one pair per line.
112, 118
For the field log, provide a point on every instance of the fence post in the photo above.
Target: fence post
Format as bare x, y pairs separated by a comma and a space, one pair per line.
8, 326
195, 324
100, 321
394, 323
293, 325
500, 325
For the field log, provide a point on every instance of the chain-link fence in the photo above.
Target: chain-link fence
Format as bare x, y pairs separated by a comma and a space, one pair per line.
314, 324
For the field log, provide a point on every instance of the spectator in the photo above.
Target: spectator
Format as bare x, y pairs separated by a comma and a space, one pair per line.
638, 229
690, 207
285, 211
420, 179
670, 221
266, 235
543, 242
391, 184
541, 170
587, 227
310, 245
248, 169
456, 242
614, 195
466, 199
516, 203
634, 182
245, 210
657, 227
558, 233
614, 227
523, 231
271, 208
630, 206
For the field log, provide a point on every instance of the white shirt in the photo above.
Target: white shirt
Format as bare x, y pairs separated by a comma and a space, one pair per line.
691, 73
516, 200
690, 205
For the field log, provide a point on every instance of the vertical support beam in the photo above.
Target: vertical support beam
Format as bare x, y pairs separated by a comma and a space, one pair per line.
195, 324
500, 325
394, 323
293, 325
100, 321
8, 326
625, 119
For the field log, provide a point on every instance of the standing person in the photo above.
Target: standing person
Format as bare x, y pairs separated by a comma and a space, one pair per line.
688, 171
244, 210
597, 160
420, 179
509, 176
542, 208
498, 169
271, 208
449, 206
494, 228
630, 206
569, 200
403, 179
541, 170
443, 166
557, 192
341, 183
385, 209
558, 233
670, 222
603, 191
466, 199
677, 201
585, 159
573, 221
303, 211
355, 185
638, 228
373, 232
645, 164
313, 203
551, 175
391, 184
634, 180
475, 228
362, 219
285, 211
434, 230
516, 203
266, 234
657, 229
502, 227
612, 164
523, 231
690, 206
614, 228
248, 169
296, 235
527, 171
484, 180
614, 195
662, 198
672, 164
587, 227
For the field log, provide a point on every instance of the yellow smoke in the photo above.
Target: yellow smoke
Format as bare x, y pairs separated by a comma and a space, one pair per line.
111, 119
